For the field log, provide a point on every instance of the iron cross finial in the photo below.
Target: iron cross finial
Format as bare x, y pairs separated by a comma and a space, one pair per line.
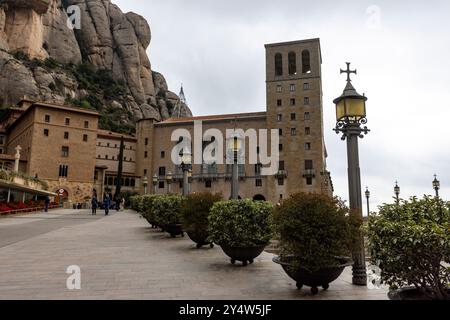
348, 72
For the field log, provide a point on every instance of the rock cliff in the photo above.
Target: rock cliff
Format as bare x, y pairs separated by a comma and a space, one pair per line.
103, 64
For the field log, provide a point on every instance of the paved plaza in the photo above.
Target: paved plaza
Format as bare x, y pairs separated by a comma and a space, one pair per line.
121, 257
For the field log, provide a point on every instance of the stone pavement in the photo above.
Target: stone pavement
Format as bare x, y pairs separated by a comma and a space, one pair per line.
122, 258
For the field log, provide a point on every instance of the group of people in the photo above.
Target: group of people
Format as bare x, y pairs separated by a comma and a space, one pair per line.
119, 205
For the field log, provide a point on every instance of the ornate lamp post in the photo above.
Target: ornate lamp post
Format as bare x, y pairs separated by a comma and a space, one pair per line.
169, 179
186, 161
234, 151
368, 200
397, 192
436, 185
350, 116
145, 183
155, 183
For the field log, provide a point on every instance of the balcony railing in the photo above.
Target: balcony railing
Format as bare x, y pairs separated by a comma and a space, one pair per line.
309, 173
281, 174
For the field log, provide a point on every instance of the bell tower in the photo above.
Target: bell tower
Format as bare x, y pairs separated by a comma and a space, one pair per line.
294, 107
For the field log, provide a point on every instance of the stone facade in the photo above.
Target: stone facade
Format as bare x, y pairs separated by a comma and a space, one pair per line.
55, 138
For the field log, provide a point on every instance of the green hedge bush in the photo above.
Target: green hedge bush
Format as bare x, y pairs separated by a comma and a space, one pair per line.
147, 208
410, 243
195, 212
241, 223
167, 209
315, 229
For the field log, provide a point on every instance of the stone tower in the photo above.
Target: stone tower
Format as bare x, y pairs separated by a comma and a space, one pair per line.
294, 107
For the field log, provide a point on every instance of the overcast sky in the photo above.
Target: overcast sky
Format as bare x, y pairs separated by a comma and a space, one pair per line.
400, 48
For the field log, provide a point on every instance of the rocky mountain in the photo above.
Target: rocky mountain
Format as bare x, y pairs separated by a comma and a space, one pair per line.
82, 52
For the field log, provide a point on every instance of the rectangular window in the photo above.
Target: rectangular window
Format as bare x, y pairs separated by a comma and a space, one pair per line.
258, 183
309, 165
146, 154
307, 146
163, 154
145, 172
208, 184
280, 147
279, 117
67, 122
86, 124
279, 102
293, 116
66, 135
280, 132
307, 131
306, 101
65, 152
85, 137
281, 165
162, 171
306, 86
146, 141
309, 181
258, 168
307, 116
292, 88
63, 171
47, 118
161, 184
293, 132
279, 89
46, 132
281, 181
293, 102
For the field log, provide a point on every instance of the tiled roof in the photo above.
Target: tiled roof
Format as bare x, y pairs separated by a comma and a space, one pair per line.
216, 117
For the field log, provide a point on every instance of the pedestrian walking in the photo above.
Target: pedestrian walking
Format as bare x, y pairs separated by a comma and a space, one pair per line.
107, 204
122, 204
46, 203
94, 203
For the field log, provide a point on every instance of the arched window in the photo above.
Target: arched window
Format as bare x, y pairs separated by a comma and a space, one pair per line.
278, 64
306, 61
292, 63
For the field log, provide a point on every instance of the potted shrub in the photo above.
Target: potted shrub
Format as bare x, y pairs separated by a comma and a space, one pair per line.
195, 214
316, 238
410, 243
243, 228
147, 209
166, 210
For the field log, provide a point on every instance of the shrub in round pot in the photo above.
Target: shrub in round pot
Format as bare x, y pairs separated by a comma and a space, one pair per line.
166, 211
136, 203
410, 243
316, 237
243, 228
194, 216
147, 212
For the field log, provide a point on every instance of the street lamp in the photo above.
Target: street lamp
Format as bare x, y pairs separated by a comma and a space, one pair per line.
145, 183
436, 185
350, 116
234, 151
169, 179
186, 160
397, 192
155, 183
368, 198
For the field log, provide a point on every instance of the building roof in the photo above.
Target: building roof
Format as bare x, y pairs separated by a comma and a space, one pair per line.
219, 117
114, 135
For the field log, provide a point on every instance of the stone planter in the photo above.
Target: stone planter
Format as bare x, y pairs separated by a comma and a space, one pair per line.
200, 238
245, 255
409, 294
174, 230
321, 278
